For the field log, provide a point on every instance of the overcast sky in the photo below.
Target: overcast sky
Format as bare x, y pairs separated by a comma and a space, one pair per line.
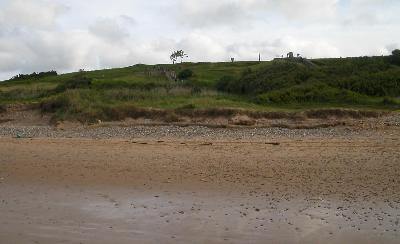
66, 35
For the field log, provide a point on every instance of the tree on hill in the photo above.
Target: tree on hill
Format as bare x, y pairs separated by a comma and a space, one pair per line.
395, 58
180, 54
34, 75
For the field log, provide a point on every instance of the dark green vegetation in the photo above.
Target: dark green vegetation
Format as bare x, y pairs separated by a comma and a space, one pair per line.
192, 88
34, 75
185, 74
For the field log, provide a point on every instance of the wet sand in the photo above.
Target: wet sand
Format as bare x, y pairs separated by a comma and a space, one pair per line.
280, 190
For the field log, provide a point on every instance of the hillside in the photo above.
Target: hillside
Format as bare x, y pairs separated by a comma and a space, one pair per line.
279, 85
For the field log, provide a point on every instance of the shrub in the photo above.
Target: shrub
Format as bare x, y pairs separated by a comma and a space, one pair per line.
275, 76
196, 90
78, 82
185, 74
123, 111
116, 84
371, 76
342, 113
225, 83
83, 105
52, 105
26, 93
390, 101
247, 71
34, 75
395, 57
189, 106
311, 93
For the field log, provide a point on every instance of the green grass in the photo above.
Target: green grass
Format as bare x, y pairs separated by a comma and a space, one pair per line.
365, 83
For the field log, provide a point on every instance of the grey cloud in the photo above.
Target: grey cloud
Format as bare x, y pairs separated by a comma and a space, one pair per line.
36, 52
212, 13
39, 35
209, 13
109, 30
27, 37
126, 19
280, 46
370, 12
202, 47
38, 14
392, 46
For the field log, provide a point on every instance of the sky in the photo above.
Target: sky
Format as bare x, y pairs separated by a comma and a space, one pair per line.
68, 35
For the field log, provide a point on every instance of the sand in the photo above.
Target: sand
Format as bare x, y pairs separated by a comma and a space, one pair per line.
309, 189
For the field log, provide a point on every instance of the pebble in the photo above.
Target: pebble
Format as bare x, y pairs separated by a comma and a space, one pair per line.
158, 132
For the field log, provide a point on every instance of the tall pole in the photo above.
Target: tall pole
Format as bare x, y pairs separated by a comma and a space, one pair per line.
259, 57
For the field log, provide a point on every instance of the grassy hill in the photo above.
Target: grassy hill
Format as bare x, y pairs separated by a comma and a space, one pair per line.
296, 84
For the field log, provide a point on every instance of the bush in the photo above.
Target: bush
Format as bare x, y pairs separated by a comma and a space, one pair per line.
78, 82
121, 112
372, 76
34, 75
390, 101
196, 90
225, 83
52, 105
83, 105
395, 57
311, 93
88, 106
185, 74
24, 93
187, 106
342, 113
247, 71
275, 76
117, 84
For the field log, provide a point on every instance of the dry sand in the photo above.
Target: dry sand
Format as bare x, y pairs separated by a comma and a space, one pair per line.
269, 189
